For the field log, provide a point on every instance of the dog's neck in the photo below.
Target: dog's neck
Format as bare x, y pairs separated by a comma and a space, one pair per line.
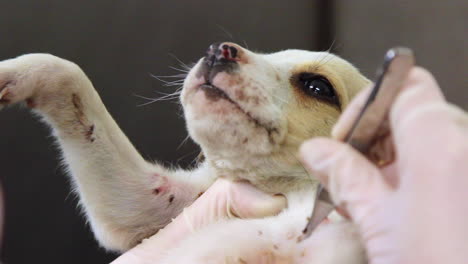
274, 173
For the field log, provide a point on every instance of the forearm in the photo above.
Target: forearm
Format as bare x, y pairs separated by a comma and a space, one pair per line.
125, 198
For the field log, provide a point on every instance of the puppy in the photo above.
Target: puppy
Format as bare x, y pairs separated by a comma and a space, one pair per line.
249, 113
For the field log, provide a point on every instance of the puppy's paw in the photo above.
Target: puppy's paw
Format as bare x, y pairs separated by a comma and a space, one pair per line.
4, 93
8, 92
35, 78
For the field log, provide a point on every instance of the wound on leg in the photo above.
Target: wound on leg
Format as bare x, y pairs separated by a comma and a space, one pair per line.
86, 124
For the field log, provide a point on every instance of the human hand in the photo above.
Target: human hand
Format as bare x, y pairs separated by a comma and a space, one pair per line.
223, 200
412, 210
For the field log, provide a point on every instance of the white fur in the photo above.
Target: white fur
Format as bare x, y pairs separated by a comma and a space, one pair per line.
127, 199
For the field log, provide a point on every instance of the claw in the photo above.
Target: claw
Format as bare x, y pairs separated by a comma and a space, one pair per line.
3, 94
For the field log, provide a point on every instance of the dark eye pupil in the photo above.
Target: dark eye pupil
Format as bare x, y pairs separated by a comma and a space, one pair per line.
319, 87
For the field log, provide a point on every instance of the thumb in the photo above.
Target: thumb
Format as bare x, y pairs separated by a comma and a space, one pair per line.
246, 201
354, 183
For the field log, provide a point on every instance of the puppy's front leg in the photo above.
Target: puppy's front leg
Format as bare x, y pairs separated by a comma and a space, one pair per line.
125, 198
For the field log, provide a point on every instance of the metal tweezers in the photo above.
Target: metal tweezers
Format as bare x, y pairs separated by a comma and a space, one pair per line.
372, 118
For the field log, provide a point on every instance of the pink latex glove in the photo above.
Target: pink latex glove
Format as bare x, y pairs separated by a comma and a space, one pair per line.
223, 200
415, 210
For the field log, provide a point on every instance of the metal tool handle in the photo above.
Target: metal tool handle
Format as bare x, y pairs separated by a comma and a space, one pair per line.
374, 115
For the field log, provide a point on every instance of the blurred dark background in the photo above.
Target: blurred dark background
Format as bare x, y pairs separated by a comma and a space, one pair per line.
119, 43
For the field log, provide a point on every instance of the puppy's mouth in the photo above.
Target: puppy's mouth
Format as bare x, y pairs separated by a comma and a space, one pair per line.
215, 93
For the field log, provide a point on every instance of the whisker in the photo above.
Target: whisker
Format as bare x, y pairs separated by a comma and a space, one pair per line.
168, 96
334, 48
186, 155
245, 44
176, 93
330, 57
331, 46
185, 66
174, 83
324, 60
158, 78
183, 142
153, 101
144, 104
181, 70
165, 97
168, 83
180, 75
143, 97
229, 35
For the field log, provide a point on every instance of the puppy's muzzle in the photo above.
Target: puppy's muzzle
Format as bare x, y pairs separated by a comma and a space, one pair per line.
220, 54
220, 57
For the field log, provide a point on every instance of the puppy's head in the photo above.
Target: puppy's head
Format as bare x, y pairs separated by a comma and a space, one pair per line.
250, 111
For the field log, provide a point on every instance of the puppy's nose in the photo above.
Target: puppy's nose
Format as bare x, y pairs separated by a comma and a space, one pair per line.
223, 53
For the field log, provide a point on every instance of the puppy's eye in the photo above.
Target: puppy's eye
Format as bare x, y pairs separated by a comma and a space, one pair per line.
318, 87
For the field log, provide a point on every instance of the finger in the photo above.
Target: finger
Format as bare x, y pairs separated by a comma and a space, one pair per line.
422, 120
353, 182
154, 248
432, 143
246, 201
419, 89
347, 118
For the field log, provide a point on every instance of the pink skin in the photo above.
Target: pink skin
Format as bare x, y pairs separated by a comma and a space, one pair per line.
163, 187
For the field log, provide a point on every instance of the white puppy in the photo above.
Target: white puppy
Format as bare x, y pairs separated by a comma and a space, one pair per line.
249, 113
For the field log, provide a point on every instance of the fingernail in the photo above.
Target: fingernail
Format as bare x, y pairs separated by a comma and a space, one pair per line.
335, 131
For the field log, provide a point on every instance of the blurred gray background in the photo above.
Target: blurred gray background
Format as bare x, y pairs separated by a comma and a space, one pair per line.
119, 43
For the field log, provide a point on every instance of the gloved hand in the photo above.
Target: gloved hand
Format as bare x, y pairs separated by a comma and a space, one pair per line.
413, 210
223, 200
